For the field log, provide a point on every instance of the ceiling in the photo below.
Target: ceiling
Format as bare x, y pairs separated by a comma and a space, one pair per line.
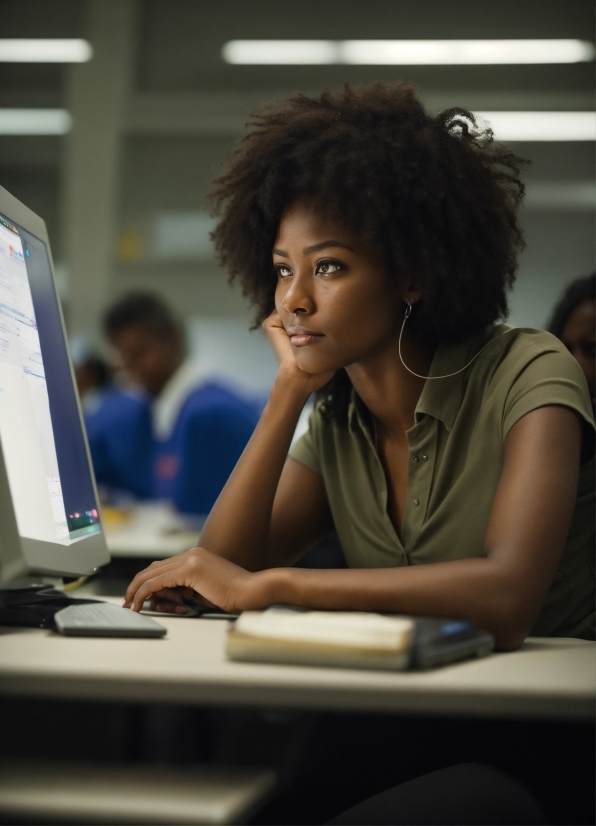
185, 106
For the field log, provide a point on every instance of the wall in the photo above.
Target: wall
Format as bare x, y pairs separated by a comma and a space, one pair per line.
174, 109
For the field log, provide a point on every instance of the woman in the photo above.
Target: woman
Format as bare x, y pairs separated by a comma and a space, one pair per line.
573, 321
378, 243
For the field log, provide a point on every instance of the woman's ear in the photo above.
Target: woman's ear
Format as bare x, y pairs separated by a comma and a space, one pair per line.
413, 294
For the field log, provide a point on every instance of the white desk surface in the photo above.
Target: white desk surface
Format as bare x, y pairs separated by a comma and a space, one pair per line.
546, 678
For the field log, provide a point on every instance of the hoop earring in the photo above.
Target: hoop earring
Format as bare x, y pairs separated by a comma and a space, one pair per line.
407, 314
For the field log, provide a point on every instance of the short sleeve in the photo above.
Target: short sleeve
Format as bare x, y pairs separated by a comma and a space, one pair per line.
551, 377
307, 450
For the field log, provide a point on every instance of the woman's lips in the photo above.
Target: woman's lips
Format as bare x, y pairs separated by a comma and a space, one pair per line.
301, 339
300, 336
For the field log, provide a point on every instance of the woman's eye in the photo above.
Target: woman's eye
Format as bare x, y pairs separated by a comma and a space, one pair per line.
328, 267
282, 270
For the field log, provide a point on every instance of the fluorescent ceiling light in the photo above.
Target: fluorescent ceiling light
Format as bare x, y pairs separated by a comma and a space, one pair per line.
45, 51
277, 52
459, 52
541, 126
406, 52
34, 122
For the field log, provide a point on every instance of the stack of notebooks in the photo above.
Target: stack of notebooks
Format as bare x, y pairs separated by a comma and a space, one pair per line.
352, 639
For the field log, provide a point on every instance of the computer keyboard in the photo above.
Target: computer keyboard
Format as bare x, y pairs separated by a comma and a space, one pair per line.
101, 619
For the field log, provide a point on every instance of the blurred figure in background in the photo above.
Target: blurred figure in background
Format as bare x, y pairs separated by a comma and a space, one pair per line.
118, 427
574, 321
94, 379
175, 436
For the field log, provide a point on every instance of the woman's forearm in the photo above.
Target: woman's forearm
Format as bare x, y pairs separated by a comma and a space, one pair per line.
238, 525
477, 589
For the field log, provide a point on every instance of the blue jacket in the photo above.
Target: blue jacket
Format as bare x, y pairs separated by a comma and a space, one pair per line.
190, 466
211, 431
121, 442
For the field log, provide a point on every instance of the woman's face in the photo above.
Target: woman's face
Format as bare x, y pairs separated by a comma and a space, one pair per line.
334, 295
578, 337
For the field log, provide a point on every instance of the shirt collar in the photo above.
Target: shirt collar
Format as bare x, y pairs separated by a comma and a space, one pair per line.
167, 406
440, 398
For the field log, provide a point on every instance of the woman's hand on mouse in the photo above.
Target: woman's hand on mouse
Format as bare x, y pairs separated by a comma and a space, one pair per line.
287, 366
176, 601
199, 573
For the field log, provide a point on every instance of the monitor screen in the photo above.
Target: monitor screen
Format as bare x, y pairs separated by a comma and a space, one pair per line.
40, 427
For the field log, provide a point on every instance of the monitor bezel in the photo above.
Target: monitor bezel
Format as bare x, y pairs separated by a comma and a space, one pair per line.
20, 555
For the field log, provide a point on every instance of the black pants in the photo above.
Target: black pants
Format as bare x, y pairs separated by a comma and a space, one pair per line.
466, 794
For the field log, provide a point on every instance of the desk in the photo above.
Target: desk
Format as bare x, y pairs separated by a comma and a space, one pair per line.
151, 530
545, 679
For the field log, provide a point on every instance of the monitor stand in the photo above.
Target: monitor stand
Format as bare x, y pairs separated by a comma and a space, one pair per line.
33, 605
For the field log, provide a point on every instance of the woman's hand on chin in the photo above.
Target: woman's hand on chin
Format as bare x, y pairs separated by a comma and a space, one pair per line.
288, 367
198, 573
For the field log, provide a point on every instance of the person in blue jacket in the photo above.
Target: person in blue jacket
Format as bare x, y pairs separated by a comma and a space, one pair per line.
118, 426
176, 435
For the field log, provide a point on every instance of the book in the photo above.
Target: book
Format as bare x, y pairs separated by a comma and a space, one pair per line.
352, 639
322, 638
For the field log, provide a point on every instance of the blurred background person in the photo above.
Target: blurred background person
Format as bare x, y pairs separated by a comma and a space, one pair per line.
118, 428
173, 434
94, 379
574, 321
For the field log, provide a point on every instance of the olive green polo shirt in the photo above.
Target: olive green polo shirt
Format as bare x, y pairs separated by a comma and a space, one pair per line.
456, 455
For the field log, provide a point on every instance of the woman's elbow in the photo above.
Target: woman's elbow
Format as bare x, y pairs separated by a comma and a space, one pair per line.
507, 639
512, 623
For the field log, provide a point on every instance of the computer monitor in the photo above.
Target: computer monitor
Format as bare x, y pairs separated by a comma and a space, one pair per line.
49, 512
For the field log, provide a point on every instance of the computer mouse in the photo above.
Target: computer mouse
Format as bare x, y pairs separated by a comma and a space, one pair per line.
193, 609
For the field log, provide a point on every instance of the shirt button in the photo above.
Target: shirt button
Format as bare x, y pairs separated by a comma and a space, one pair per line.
415, 458
416, 502
424, 457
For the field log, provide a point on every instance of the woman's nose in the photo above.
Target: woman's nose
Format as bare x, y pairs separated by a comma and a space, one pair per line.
297, 298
